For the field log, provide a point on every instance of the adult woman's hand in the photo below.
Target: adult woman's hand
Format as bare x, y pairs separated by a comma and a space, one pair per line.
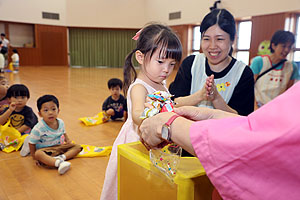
150, 129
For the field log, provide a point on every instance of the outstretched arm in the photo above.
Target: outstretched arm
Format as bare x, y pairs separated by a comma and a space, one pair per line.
150, 129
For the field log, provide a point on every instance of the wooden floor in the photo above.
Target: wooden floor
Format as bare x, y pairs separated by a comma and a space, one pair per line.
81, 93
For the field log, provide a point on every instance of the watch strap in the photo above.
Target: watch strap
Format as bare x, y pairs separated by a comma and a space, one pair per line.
171, 120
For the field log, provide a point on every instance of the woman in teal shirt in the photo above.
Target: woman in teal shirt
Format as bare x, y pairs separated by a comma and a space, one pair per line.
278, 80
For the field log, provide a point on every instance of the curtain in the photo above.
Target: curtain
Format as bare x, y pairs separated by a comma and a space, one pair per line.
100, 47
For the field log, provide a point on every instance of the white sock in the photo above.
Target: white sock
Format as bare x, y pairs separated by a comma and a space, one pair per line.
63, 156
58, 161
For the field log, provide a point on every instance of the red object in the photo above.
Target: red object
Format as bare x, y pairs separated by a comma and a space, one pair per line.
167, 108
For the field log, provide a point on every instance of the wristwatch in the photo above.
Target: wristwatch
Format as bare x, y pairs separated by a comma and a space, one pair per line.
165, 131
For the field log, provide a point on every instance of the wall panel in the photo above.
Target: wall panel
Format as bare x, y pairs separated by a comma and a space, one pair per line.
183, 33
263, 28
50, 47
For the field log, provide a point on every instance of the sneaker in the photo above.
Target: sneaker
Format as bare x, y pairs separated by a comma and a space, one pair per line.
64, 167
25, 148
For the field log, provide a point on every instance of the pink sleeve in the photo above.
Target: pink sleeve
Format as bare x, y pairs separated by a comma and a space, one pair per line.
254, 157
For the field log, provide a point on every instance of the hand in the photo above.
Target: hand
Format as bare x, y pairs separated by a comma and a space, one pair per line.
68, 141
12, 106
211, 90
150, 129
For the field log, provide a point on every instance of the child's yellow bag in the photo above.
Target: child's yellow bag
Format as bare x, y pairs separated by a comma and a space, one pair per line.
100, 118
11, 67
93, 151
10, 138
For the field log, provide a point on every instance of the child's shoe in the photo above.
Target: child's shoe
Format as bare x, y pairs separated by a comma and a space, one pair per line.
25, 148
64, 167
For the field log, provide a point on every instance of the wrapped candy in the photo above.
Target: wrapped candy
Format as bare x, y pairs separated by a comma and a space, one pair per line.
159, 101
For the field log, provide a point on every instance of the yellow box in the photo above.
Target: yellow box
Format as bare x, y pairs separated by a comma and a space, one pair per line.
138, 179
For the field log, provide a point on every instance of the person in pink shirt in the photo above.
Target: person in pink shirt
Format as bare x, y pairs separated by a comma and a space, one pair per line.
245, 157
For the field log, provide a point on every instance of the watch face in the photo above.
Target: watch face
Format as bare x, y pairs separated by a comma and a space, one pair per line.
165, 132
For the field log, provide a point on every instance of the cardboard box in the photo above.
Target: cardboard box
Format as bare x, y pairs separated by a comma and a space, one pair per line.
138, 179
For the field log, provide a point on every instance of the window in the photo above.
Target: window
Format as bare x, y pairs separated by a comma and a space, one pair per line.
297, 45
243, 41
21, 35
196, 40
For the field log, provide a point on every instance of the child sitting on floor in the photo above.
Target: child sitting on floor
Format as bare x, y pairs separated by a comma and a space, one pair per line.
20, 115
4, 103
115, 106
48, 140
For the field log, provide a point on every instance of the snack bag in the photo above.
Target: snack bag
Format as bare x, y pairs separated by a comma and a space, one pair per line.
93, 151
100, 118
11, 139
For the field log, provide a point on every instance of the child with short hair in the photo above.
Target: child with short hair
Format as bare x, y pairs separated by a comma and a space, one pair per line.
115, 106
20, 115
15, 60
4, 103
158, 51
49, 143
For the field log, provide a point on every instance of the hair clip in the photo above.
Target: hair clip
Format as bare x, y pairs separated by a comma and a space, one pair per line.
137, 35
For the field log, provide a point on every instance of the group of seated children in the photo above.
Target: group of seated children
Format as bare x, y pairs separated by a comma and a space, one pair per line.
47, 142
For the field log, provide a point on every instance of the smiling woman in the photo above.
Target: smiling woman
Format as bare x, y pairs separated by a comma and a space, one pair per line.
270, 86
215, 79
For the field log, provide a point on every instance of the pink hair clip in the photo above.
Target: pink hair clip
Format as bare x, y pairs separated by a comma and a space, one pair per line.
137, 35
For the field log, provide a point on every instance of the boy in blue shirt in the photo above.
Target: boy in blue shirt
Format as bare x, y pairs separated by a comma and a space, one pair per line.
48, 141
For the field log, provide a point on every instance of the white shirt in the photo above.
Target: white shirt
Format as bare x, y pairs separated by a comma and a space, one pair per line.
5, 42
15, 57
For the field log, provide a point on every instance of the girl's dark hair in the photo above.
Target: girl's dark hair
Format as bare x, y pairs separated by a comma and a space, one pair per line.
46, 98
18, 90
152, 37
282, 37
223, 19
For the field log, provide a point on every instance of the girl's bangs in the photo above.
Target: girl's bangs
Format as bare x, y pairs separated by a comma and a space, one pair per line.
170, 49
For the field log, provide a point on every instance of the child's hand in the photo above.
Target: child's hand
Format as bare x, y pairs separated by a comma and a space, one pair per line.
68, 142
12, 106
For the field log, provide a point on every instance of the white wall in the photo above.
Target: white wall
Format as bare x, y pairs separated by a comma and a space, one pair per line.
193, 11
30, 11
131, 13
106, 13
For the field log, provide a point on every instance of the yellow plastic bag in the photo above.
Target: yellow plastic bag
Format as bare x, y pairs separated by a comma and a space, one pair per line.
93, 151
11, 67
100, 118
11, 139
